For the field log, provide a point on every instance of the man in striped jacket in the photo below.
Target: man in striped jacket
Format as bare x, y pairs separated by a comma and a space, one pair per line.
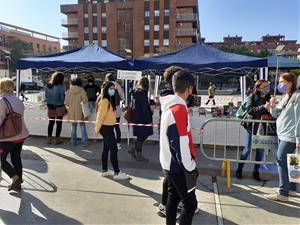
177, 154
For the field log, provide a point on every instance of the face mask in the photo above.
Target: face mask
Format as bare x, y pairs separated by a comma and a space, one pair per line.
265, 90
111, 92
282, 87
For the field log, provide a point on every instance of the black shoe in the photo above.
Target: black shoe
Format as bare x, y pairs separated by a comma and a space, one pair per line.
239, 174
17, 188
15, 185
256, 176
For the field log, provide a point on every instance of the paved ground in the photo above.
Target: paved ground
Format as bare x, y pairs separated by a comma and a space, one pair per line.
63, 186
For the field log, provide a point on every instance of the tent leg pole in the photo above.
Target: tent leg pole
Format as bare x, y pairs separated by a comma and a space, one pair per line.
18, 83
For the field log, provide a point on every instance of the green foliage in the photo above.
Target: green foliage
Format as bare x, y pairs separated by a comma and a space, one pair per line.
245, 51
19, 49
296, 71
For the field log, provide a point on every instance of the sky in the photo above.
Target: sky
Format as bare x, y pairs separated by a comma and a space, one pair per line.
218, 18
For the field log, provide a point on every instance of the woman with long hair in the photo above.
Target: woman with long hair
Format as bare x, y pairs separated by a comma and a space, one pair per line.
55, 98
287, 113
105, 124
257, 105
142, 114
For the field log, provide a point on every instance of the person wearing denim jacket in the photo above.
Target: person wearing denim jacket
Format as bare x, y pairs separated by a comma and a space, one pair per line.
287, 112
55, 97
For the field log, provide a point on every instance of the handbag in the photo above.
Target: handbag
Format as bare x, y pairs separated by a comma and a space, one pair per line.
293, 163
12, 124
61, 111
85, 110
128, 113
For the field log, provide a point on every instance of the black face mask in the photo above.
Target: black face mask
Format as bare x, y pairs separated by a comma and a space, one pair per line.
91, 81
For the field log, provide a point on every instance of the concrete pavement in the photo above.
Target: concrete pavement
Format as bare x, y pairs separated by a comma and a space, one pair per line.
63, 186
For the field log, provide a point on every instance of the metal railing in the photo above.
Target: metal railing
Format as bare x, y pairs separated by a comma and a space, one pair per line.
69, 22
186, 32
186, 17
221, 149
71, 35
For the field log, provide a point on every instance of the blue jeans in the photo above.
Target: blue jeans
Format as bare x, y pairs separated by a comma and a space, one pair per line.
284, 148
91, 106
246, 152
84, 137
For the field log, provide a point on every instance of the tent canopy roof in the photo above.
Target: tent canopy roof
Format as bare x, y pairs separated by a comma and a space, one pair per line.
199, 56
88, 57
283, 62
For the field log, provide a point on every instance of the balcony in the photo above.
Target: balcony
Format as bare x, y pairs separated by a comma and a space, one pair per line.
72, 22
186, 32
183, 45
70, 36
187, 17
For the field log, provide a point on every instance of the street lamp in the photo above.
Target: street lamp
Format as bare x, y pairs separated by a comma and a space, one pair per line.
278, 52
7, 62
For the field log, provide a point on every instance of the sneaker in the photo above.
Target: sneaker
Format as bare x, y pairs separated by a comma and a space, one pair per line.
256, 176
85, 145
107, 173
238, 174
119, 146
161, 211
197, 211
180, 207
121, 176
277, 197
291, 193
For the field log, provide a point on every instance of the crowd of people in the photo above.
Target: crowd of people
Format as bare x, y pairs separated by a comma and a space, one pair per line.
177, 155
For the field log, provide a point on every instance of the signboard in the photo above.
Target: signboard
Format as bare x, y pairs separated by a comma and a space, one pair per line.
129, 75
265, 142
26, 76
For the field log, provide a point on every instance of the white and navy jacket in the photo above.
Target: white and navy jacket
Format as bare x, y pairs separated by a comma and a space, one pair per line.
176, 147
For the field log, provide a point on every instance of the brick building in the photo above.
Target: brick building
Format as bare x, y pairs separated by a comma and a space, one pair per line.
41, 43
268, 42
132, 28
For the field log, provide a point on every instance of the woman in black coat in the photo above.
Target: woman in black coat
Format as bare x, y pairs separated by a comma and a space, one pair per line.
142, 114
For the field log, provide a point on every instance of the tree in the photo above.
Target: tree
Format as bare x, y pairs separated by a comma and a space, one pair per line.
245, 51
19, 49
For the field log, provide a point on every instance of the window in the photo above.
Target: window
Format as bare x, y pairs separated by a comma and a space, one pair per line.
86, 43
147, 27
156, 27
95, 36
95, 42
103, 29
167, 12
166, 42
104, 43
146, 42
94, 21
166, 27
156, 12
86, 15
95, 30
95, 2
86, 30
95, 14
156, 42
86, 36
147, 14
103, 15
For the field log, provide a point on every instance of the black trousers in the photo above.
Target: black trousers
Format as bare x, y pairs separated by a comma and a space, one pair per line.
177, 191
110, 144
211, 98
118, 130
14, 149
58, 126
139, 143
164, 197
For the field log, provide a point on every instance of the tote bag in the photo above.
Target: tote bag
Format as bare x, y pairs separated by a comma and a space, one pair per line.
293, 163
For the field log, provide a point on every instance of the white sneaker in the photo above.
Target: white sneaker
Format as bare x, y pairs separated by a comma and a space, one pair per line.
291, 193
108, 173
121, 176
277, 197
119, 146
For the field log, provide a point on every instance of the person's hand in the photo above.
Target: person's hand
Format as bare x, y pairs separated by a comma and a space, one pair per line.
267, 106
95, 132
273, 102
298, 147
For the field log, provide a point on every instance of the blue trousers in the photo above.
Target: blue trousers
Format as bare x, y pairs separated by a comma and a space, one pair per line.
284, 148
246, 152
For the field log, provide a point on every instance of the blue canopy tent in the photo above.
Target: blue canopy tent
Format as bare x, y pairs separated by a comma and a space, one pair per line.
283, 62
202, 59
87, 58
